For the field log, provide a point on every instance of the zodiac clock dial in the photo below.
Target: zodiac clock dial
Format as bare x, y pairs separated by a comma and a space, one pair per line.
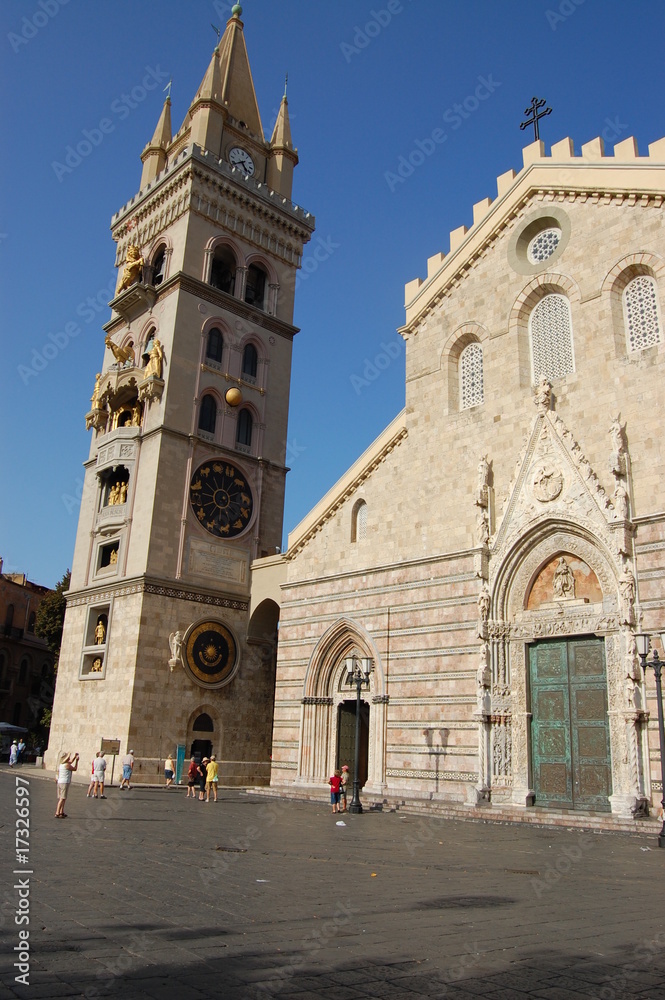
210, 653
221, 499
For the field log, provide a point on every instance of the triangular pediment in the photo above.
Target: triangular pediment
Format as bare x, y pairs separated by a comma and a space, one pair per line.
554, 482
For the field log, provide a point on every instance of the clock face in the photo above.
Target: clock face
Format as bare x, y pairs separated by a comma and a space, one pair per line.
221, 499
210, 653
239, 158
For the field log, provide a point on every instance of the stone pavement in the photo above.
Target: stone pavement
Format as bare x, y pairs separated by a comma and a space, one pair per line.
149, 896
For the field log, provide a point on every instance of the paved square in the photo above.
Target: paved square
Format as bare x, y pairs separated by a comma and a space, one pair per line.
150, 895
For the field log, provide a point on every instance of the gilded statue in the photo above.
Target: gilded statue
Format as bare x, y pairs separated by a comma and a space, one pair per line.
122, 495
131, 272
136, 415
94, 399
563, 583
113, 558
100, 633
121, 354
154, 365
96, 667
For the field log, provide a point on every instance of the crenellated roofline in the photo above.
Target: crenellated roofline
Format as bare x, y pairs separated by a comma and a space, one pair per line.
561, 176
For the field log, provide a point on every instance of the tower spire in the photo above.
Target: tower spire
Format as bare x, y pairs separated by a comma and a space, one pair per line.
154, 154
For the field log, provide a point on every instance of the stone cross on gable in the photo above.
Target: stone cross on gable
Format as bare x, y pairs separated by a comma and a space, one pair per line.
533, 117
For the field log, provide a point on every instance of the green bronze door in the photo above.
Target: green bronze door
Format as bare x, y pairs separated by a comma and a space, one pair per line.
570, 744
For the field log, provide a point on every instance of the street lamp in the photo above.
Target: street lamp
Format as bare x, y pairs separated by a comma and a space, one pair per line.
643, 642
358, 670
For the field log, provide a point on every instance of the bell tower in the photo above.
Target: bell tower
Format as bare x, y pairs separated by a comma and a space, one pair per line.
184, 484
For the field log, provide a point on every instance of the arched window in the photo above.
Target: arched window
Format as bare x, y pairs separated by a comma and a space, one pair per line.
551, 336
31, 621
223, 270
255, 288
215, 346
159, 266
472, 389
640, 310
250, 360
359, 521
208, 415
244, 430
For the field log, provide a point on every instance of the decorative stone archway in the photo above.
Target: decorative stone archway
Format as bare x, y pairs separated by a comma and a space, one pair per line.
513, 625
324, 690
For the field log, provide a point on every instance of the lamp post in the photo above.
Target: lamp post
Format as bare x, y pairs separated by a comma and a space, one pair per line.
656, 664
357, 672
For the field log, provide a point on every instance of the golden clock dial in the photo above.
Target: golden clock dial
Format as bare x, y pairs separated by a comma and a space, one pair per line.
221, 499
210, 653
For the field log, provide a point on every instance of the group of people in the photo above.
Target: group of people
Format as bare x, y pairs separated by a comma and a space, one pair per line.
204, 776
16, 751
338, 783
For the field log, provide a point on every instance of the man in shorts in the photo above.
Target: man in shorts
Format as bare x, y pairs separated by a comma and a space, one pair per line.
127, 768
99, 770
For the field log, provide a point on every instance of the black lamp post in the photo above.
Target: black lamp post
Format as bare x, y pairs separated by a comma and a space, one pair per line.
358, 671
656, 664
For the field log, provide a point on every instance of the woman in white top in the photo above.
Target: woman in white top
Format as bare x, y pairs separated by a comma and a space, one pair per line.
68, 763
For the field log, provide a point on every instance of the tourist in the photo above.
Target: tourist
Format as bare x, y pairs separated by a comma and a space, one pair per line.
169, 770
211, 778
99, 767
127, 768
335, 784
342, 790
21, 750
202, 771
13, 754
68, 763
92, 775
192, 778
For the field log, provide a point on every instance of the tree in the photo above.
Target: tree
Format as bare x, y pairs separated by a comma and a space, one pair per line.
51, 617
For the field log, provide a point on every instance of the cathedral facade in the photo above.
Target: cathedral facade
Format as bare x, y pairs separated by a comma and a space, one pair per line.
184, 485
495, 551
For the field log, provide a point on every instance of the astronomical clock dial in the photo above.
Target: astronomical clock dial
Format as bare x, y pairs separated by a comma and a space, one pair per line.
221, 499
210, 653
239, 158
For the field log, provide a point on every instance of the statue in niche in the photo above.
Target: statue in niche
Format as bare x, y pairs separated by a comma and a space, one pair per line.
563, 583
483, 681
627, 592
112, 497
482, 527
94, 399
618, 457
542, 396
484, 603
121, 354
483, 481
154, 365
113, 558
621, 501
131, 272
96, 667
100, 633
122, 495
136, 415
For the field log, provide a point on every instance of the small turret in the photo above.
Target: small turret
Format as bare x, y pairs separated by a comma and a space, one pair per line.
283, 156
154, 154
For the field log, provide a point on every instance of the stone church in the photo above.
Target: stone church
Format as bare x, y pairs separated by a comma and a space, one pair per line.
496, 549
491, 556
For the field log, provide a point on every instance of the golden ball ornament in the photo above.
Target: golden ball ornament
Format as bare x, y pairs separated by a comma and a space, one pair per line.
233, 397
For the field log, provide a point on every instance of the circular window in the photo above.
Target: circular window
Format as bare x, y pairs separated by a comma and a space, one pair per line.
543, 245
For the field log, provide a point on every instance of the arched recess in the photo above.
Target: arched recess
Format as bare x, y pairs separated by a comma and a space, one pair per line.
324, 689
204, 740
513, 628
262, 632
158, 257
525, 303
631, 266
468, 333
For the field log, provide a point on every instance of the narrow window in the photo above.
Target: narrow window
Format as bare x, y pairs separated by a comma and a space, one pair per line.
215, 346
31, 621
208, 415
9, 616
255, 288
472, 389
159, 266
223, 270
640, 310
551, 336
359, 521
244, 430
250, 360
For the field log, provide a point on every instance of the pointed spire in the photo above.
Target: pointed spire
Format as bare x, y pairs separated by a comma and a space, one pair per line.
238, 94
153, 156
211, 84
281, 135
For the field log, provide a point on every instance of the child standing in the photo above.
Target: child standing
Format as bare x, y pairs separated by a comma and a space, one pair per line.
342, 791
335, 784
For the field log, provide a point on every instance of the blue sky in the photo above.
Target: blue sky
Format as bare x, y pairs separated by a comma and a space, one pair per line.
368, 85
